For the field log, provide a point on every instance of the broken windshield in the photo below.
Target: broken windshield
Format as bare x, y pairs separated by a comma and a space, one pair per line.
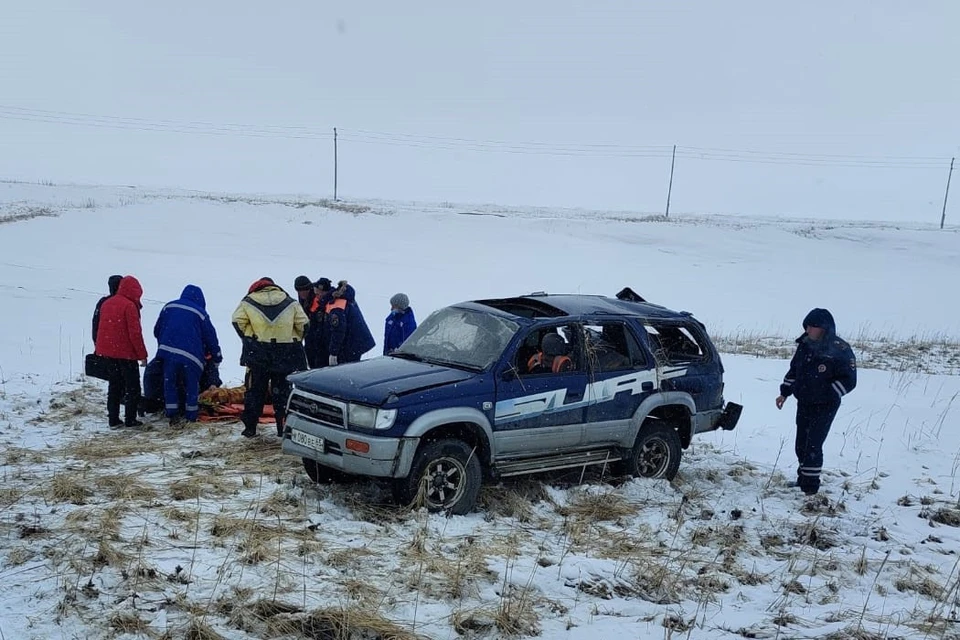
460, 337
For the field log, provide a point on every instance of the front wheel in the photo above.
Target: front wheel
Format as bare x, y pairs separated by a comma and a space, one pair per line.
445, 476
321, 474
656, 453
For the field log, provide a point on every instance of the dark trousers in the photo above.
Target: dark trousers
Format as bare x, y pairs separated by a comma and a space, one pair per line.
259, 382
813, 425
123, 386
181, 389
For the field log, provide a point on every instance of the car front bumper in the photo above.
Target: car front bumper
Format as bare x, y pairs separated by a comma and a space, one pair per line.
385, 458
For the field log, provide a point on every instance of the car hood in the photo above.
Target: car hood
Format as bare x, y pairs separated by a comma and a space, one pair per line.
376, 380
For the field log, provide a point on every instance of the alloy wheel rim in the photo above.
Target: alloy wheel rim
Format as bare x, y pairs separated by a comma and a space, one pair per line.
444, 482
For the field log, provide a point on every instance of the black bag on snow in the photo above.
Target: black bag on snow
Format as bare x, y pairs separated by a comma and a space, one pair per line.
97, 366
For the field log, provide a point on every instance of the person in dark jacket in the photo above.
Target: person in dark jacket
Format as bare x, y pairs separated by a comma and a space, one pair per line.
113, 282
185, 335
349, 335
271, 325
822, 371
400, 323
120, 340
312, 340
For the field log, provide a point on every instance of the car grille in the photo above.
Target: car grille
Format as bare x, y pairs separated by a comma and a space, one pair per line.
325, 410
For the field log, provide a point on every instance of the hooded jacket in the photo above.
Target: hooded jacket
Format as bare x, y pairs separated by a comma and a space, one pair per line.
397, 328
271, 325
184, 331
348, 333
821, 371
119, 334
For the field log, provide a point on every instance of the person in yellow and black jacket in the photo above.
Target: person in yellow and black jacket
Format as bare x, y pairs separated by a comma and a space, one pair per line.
271, 325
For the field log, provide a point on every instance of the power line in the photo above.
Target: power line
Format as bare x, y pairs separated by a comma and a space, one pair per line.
442, 143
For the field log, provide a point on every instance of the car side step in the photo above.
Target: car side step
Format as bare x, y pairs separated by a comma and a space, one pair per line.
552, 463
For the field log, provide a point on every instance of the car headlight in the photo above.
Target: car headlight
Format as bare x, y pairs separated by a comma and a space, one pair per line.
365, 417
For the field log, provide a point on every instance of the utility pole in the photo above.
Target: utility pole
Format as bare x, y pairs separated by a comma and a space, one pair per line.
673, 161
943, 214
334, 164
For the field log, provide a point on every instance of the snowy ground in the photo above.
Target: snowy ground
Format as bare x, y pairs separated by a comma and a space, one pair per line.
190, 533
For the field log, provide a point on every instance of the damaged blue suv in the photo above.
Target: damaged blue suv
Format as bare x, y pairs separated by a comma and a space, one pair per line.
511, 386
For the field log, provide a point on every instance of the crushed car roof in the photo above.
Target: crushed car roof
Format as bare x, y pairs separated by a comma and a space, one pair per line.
539, 305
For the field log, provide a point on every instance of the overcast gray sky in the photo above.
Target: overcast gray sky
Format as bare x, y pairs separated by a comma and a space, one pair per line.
874, 81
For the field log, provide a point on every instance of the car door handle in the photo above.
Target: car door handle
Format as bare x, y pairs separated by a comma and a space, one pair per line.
646, 386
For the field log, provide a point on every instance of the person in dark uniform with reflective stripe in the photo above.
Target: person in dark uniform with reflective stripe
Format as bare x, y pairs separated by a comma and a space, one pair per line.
822, 371
185, 336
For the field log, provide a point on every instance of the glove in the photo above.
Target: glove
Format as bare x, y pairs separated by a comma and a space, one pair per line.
217, 359
333, 361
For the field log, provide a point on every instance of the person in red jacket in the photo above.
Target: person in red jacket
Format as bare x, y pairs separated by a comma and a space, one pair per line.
120, 340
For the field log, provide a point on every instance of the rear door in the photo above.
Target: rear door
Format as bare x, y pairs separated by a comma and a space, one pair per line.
539, 413
686, 361
622, 375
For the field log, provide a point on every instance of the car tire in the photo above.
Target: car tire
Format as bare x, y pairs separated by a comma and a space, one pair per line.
445, 476
656, 453
321, 474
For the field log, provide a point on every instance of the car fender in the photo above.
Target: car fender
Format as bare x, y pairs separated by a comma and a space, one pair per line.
437, 418
654, 401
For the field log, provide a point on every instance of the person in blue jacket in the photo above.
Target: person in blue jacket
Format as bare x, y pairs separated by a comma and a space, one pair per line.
822, 371
399, 324
347, 331
185, 335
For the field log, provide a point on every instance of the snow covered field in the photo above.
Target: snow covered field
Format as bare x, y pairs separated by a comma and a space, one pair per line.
191, 533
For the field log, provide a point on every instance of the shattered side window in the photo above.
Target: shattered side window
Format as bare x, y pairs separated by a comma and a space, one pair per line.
674, 344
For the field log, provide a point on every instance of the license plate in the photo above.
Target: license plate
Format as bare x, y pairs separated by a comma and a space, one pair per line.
306, 439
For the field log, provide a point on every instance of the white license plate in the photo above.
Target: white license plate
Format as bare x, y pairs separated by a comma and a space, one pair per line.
306, 439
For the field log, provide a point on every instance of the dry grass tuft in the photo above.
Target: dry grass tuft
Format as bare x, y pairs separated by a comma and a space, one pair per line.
197, 486
65, 488
350, 623
815, 536
855, 633
281, 503
269, 608
16, 455
514, 499
474, 623
10, 496
197, 630
108, 556
947, 516
125, 487
917, 581
348, 557
19, 556
606, 506
110, 521
98, 449
128, 622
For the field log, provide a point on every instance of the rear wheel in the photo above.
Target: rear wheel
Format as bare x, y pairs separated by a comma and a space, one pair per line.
445, 476
321, 474
656, 453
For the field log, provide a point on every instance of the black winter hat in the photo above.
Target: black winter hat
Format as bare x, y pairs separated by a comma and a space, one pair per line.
819, 318
301, 283
113, 284
324, 284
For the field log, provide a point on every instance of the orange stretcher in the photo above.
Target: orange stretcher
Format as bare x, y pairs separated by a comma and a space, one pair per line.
225, 404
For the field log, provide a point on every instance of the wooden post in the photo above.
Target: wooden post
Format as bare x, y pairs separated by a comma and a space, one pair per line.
334, 164
943, 214
673, 161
